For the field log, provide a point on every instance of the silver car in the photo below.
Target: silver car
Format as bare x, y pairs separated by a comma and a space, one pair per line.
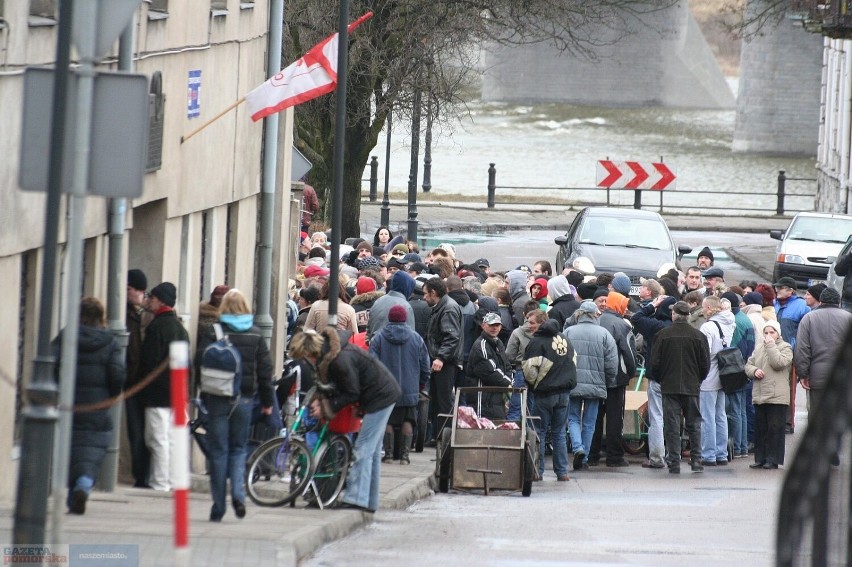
807, 244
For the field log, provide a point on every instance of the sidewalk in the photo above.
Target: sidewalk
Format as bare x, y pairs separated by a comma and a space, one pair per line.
266, 537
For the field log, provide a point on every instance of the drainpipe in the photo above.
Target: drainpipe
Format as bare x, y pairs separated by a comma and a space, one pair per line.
846, 131
263, 319
116, 282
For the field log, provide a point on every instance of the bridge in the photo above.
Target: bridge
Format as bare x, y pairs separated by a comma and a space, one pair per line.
666, 61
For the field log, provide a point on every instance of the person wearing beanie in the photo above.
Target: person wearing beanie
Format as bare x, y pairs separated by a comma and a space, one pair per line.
316, 272
812, 295
137, 318
575, 277
367, 292
597, 367
737, 402
156, 398
364, 249
208, 311
705, 258
821, 335
600, 297
680, 359
586, 290
399, 290
649, 320
399, 251
769, 366
367, 262
404, 353
620, 283
612, 320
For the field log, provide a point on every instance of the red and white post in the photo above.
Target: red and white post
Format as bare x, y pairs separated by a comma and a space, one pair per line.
179, 459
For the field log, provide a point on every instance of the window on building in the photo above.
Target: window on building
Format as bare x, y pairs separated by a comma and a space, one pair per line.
158, 9
42, 13
156, 120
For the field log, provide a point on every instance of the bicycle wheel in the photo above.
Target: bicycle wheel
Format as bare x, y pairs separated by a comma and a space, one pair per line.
331, 469
278, 471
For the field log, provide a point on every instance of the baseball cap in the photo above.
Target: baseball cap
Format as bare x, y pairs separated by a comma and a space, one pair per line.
713, 272
482, 263
492, 319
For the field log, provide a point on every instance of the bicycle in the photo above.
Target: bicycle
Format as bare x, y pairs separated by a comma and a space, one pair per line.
296, 464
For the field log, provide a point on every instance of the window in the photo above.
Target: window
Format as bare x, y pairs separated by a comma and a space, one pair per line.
218, 8
42, 13
156, 119
158, 9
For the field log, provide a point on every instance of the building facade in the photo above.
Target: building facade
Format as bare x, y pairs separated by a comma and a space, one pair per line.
197, 221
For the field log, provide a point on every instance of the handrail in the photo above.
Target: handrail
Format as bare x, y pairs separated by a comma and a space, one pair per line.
814, 509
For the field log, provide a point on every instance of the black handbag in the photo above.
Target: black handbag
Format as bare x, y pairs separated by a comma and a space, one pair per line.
731, 366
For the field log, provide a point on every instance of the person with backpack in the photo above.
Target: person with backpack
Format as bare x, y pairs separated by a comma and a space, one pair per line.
229, 417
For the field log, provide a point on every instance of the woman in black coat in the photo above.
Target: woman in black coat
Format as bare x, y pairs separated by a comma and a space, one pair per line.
99, 377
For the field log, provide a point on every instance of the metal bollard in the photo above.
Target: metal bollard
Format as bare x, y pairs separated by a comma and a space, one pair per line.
782, 183
492, 184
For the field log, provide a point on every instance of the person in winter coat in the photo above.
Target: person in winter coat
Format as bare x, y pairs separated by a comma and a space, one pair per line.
406, 356
518, 292
538, 292
136, 320
99, 376
789, 310
649, 320
347, 375
156, 397
680, 360
718, 329
229, 419
612, 319
597, 366
488, 365
318, 313
769, 365
843, 267
366, 294
735, 403
399, 290
444, 341
516, 350
563, 303
550, 371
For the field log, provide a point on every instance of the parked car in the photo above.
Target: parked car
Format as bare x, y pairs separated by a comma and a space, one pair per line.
807, 244
834, 281
632, 241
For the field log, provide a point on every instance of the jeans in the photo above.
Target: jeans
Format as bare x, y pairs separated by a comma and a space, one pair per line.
585, 409
769, 433
228, 426
750, 411
158, 439
673, 405
83, 483
656, 444
514, 411
738, 421
362, 483
553, 411
714, 426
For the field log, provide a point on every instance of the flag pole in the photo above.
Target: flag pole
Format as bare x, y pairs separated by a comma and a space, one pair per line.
339, 147
212, 120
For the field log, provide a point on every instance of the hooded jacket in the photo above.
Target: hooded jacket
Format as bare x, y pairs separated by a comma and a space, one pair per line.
596, 357
357, 375
363, 304
254, 354
401, 286
405, 355
488, 365
714, 342
550, 361
99, 376
518, 292
775, 360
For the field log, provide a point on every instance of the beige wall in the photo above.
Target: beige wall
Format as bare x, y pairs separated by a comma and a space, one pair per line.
216, 171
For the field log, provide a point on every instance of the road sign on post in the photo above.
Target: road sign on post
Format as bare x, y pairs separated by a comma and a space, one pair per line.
634, 175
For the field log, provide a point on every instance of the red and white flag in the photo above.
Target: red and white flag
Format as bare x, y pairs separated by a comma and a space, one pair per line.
313, 75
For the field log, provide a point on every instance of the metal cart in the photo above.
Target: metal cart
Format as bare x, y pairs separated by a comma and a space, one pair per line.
488, 459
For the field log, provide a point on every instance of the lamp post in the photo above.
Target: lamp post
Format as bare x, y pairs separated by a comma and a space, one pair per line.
427, 152
415, 152
385, 220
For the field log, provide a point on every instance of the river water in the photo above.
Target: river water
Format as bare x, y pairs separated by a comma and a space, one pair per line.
558, 145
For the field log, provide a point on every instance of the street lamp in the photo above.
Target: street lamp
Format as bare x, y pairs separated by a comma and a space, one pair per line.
415, 152
427, 152
385, 220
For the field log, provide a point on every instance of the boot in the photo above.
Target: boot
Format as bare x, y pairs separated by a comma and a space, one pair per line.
404, 459
387, 448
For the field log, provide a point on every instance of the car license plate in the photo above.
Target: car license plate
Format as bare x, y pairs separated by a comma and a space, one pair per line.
814, 282
634, 290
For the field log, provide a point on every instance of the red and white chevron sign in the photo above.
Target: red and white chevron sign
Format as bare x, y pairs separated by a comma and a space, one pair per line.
634, 175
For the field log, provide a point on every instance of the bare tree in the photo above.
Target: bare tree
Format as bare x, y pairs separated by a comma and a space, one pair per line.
426, 45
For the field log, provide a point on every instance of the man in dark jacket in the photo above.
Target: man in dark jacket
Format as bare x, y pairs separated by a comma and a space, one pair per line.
156, 397
550, 372
422, 310
348, 375
680, 360
470, 327
612, 319
137, 320
405, 354
843, 267
488, 365
444, 340
564, 303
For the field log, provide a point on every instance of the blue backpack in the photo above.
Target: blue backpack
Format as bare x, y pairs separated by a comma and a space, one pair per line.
221, 367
